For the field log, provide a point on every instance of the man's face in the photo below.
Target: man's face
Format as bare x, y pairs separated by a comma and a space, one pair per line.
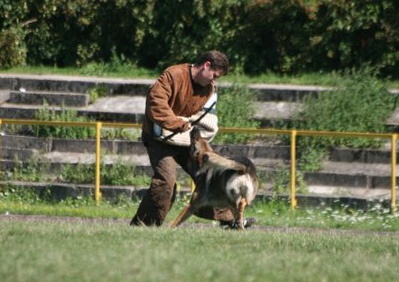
208, 75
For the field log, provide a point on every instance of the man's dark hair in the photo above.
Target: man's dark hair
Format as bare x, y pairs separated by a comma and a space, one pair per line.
217, 59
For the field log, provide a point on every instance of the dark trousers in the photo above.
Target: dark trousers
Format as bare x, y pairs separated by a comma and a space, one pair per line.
161, 194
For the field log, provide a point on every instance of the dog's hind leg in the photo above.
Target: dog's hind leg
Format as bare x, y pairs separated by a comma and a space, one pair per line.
241, 206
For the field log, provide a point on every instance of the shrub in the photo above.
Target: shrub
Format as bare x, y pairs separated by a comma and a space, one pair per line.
75, 132
235, 108
12, 48
117, 173
46, 114
360, 103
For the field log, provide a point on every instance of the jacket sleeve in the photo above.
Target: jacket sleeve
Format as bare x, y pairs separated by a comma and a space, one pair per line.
158, 108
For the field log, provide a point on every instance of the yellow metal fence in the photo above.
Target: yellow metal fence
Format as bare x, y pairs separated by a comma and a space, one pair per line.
292, 133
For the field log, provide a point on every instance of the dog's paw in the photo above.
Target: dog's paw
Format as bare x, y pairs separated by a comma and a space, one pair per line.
172, 224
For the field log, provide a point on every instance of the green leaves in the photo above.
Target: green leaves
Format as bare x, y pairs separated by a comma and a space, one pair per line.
235, 108
285, 37
359, 103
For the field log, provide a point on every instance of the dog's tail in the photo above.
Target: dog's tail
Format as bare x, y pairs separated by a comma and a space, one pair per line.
213, 160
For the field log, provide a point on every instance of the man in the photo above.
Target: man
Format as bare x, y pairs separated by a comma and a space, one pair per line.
179, 93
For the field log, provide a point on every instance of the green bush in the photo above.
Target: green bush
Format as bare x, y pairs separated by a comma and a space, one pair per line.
349, 34
59, 131
282, 36
96, 92
117, 64
235, 108
29, 172
117, 173
360, 103
75, 132
179, 35
12, 48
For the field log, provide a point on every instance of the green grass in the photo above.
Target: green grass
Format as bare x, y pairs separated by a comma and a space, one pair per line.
110, 251
41, 70
304, 244
322, 79
269, 213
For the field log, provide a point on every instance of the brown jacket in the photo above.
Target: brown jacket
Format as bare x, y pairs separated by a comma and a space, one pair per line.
174, 94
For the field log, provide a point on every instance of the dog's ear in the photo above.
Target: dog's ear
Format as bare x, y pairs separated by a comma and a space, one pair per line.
195, 134
198, 145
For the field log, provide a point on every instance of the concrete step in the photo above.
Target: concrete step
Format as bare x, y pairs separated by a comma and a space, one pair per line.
61, 99
347, 172
74, 84
131, 146
62, 191
276, 110
366, 175
334, 174
393, 120
352, 175
284, 93
17, 111
46, 145
276, 104
139, 87
318, 184
346, 155
17, 154
272, 151
128, 109
134, 87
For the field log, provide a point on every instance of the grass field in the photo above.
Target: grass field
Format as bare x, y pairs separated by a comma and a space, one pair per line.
82, 250
81, 241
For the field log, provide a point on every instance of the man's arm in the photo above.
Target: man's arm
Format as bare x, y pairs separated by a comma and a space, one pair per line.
158, 108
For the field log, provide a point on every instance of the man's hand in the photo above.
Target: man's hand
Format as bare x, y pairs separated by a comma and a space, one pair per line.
187, 126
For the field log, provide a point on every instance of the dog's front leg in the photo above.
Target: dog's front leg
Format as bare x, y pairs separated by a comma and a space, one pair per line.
241, 206
184, 214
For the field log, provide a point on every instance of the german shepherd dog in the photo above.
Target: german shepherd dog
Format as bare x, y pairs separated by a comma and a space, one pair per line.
219, 182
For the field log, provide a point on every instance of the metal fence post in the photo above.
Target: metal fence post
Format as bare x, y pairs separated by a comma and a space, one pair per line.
1, 148
393, 172
97, 193
293, 168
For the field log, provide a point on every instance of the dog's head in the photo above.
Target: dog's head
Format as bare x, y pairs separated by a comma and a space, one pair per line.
202, 152
198, 146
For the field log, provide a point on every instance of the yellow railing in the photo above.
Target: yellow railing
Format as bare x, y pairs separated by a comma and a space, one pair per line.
292, 133
97, 125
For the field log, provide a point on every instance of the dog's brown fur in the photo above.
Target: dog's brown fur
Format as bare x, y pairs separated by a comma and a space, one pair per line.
220, 182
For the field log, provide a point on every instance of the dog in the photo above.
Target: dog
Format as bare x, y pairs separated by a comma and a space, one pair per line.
219, 182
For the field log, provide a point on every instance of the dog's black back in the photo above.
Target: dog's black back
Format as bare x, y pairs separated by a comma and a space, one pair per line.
212, 184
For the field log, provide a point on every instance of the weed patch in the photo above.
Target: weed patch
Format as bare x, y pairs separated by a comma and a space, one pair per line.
235, 108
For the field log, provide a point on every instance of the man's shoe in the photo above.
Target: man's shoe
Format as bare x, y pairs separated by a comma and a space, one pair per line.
248, 222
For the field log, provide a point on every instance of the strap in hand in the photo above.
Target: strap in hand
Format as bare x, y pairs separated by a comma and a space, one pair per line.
193, 122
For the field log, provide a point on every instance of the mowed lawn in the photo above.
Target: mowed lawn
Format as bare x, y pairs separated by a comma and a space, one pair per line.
111, 250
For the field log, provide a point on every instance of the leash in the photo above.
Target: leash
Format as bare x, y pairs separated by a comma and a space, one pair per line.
192, 123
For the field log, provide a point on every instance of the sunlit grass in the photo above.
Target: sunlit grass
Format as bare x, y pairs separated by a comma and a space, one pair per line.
128, 71
111, 251
268, 213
